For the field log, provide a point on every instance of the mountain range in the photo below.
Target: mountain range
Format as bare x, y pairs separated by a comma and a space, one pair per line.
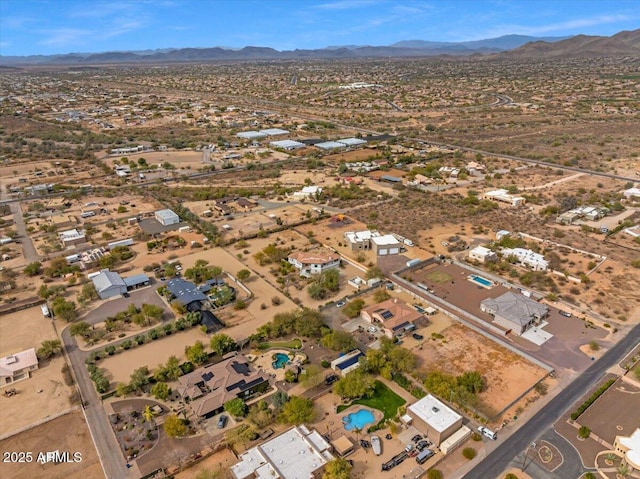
509, 46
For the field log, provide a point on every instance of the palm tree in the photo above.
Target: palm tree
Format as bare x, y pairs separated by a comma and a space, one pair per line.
148, 415
610, 458
623, 470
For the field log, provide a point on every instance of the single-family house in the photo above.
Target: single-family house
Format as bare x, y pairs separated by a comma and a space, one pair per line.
72, 237
514, 312
526, 257
482, 254
186, 293
314, 262
297, 453
434, 418
386, 245
395, 317
208, 388
17, 367
360, 240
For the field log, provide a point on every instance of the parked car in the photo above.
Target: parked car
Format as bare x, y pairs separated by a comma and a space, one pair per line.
409, 448
372, 329
340, 304
422, 445
566, 314
365, 444
331, 379
416, 438
388, 437
417, 336
222, 422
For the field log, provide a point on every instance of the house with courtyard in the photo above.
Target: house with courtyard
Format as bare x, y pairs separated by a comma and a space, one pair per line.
434, 418
208, 388
360, 240
526, 257
17, 367
313, 262
72, 237
514, 312
186, 293
393, 316
297, 453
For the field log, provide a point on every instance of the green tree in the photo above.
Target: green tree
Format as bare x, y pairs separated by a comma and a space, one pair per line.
44, 292
33, 269
89, 291
374, 273
221, 344
151, 312
339, 341
584, 432
243, 274
236, 407
174, 426
49, 348
510, 476
339, 468
354, 385
381, 295
278, 399
312, 375
297, 410
82, 328
196, 353
472, 381
139, 378
260, 414
354, 307
434, 474
63, 309
469, 453
161, 391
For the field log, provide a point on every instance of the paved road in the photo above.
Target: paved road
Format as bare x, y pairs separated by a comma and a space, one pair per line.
498, 460
27, 245
109, 452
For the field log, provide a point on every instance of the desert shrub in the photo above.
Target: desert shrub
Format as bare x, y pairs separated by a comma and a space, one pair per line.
596, 394
434, 474
469, 453
584, 432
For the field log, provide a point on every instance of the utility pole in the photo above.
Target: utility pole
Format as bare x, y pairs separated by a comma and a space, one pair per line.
526, 454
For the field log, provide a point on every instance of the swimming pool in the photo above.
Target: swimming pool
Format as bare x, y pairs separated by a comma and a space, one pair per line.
280, 360
358, 420
481, 281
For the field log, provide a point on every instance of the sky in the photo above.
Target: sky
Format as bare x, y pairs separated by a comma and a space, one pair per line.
32, 27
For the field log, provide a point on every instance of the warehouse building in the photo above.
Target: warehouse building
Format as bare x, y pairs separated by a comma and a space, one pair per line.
109, 284
167, 217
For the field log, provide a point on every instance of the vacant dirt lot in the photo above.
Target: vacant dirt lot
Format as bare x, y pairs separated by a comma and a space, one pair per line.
506, 374
221, 459
68, 433
45, 392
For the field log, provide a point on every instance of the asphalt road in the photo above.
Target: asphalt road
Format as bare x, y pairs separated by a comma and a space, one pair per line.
497, 461
111, 456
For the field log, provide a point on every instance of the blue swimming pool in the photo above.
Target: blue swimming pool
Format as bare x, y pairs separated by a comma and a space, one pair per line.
281, 359
481, 281
358, 420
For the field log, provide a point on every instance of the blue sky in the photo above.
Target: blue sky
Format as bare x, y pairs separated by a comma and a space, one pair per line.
30, 27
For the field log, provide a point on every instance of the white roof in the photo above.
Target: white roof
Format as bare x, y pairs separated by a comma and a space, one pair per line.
70, 234
355, 236
632, 192
633, 443
166, 214
106, 279
385, 240
329, 145
294, 454
482, 251
273, 132
251, 135
435, 413
287, 144
352, 141
311, 190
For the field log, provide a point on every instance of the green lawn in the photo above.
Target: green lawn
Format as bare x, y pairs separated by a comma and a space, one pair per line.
383, 399
293, 344
439, 277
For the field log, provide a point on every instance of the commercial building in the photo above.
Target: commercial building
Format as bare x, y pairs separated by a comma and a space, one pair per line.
207, 389
167, 217
109, 284
314, 262
482, 254
515, 312
307, 192
350, 142
17, 367
274, 132
115, 244
434, 419
395, 317
330, 145
251, 135
298, 453
526, 257
287, 144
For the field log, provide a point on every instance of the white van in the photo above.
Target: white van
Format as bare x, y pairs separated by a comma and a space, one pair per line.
487, 433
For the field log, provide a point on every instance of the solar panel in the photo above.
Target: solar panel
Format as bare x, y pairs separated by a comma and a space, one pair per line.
386, 315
